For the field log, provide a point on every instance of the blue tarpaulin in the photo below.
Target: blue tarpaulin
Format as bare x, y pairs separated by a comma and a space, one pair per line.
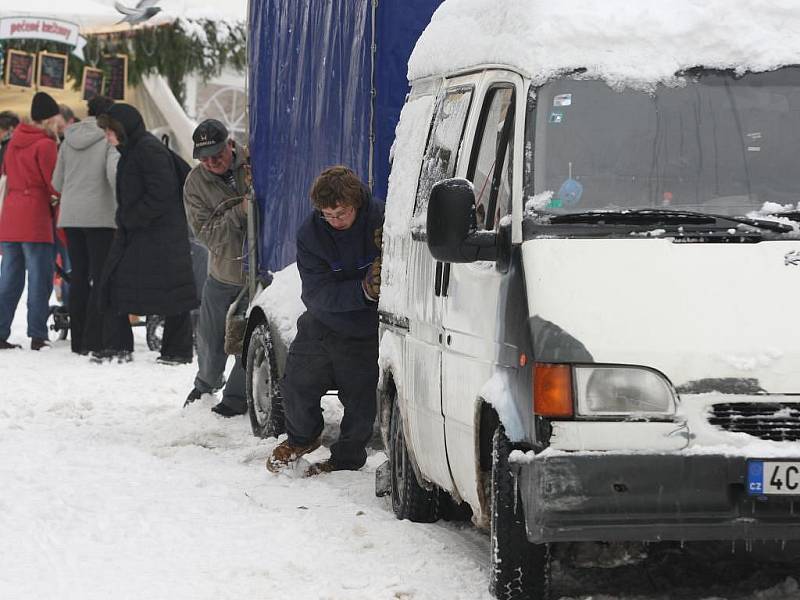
311, 81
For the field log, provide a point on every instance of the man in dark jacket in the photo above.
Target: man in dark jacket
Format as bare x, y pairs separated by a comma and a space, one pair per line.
149, 269
338, 257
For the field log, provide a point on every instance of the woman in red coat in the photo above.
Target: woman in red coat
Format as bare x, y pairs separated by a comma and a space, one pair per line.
26, 223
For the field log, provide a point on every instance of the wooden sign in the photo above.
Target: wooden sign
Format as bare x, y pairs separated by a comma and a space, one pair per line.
52, 70
19, 68
116, 82
92, 84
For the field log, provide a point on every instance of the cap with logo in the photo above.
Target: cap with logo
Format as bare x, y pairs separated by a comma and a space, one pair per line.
209, 138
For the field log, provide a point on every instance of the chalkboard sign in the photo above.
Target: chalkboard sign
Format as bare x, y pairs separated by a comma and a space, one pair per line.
92, 84
117, 70
52, 70
19, 70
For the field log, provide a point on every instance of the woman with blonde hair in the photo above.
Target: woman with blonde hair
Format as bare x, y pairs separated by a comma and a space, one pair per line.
26, 223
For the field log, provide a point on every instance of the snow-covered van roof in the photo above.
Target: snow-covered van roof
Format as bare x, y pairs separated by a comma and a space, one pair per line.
623, 42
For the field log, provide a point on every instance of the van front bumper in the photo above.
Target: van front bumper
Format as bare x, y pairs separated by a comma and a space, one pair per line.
643, 497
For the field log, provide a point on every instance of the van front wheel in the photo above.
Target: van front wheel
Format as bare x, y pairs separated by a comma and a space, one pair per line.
519, 569
409, 499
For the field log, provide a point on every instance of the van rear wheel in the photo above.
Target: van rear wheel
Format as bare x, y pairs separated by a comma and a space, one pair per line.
264, 401
409, 499
519, 570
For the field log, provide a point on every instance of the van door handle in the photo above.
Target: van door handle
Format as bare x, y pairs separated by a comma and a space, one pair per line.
437, 282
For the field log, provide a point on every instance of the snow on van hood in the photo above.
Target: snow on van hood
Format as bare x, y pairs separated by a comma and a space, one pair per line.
693, 312
620, 41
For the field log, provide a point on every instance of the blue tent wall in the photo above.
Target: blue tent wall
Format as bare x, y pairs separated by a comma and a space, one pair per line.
309, 98
399, 24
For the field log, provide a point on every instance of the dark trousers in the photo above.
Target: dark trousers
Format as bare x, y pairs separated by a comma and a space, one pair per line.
211, 356
177, 339
319, 360
91, 330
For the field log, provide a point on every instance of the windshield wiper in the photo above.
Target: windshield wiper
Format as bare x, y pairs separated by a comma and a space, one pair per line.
648, 216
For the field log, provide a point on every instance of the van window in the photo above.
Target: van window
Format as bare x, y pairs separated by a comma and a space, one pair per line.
492, 158
718, 143
445, 137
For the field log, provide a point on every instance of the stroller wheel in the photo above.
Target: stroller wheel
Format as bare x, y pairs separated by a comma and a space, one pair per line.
60, 321
155, 332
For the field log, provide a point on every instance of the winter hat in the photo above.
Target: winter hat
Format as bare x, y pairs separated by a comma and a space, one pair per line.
43, 107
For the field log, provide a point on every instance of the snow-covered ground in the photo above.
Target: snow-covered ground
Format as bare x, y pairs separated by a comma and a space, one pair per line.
110, 490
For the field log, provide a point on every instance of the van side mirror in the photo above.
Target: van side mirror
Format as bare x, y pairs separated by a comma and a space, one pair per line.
452, 229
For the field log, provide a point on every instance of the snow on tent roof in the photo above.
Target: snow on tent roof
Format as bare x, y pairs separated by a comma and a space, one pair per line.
623, 42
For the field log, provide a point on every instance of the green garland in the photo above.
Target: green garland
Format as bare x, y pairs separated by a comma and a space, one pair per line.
174, 51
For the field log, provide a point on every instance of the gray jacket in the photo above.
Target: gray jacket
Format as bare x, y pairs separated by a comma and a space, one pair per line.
218, 218
86, 175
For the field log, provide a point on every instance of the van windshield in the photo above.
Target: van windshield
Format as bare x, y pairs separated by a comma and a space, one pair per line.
716, 144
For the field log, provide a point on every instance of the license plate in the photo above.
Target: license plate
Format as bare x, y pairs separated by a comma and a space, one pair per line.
768, 478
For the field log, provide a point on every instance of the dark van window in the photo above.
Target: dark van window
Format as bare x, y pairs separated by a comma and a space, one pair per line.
492, 158
444, 140
717, 143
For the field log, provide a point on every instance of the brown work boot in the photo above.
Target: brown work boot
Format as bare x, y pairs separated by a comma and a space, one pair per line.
286, 452
6, 345
326, 466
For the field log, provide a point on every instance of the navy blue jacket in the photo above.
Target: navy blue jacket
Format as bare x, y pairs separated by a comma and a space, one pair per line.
332, 265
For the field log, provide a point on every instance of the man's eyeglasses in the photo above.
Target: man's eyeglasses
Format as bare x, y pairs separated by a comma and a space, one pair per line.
339, 215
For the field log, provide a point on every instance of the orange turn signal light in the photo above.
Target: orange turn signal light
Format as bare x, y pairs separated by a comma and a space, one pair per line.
552, 390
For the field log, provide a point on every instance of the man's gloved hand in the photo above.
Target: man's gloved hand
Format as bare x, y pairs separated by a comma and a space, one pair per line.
372, 281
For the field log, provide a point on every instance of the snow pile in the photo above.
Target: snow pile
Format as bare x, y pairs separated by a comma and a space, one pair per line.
281, 302
616, 40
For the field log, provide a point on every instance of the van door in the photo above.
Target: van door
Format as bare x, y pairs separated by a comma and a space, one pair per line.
424, 419
476, 295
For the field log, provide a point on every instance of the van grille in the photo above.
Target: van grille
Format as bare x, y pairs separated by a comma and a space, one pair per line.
775, 421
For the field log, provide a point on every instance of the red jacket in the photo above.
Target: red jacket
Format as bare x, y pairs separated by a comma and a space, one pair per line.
29, 162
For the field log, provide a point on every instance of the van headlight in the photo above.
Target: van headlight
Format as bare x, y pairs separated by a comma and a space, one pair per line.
622, 390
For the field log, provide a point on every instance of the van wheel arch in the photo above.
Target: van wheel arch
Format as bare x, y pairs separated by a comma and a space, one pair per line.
387, 396
255, 318
486, 420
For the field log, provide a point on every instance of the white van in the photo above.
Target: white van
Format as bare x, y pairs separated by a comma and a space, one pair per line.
588, 326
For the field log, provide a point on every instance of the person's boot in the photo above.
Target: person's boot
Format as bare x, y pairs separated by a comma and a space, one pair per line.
5, 345
223, 410
39, 343
326, 466
100, 356
123, 356
174, 360
195, 394
286, 452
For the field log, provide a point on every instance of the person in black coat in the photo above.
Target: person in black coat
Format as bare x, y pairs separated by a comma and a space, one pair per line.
336, 347
149, 269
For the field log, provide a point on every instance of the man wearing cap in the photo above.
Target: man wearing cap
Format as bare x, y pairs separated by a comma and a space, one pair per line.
216, 207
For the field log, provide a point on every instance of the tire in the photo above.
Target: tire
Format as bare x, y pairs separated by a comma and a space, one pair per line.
519, 570
264, 400
155, 331
409, 499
